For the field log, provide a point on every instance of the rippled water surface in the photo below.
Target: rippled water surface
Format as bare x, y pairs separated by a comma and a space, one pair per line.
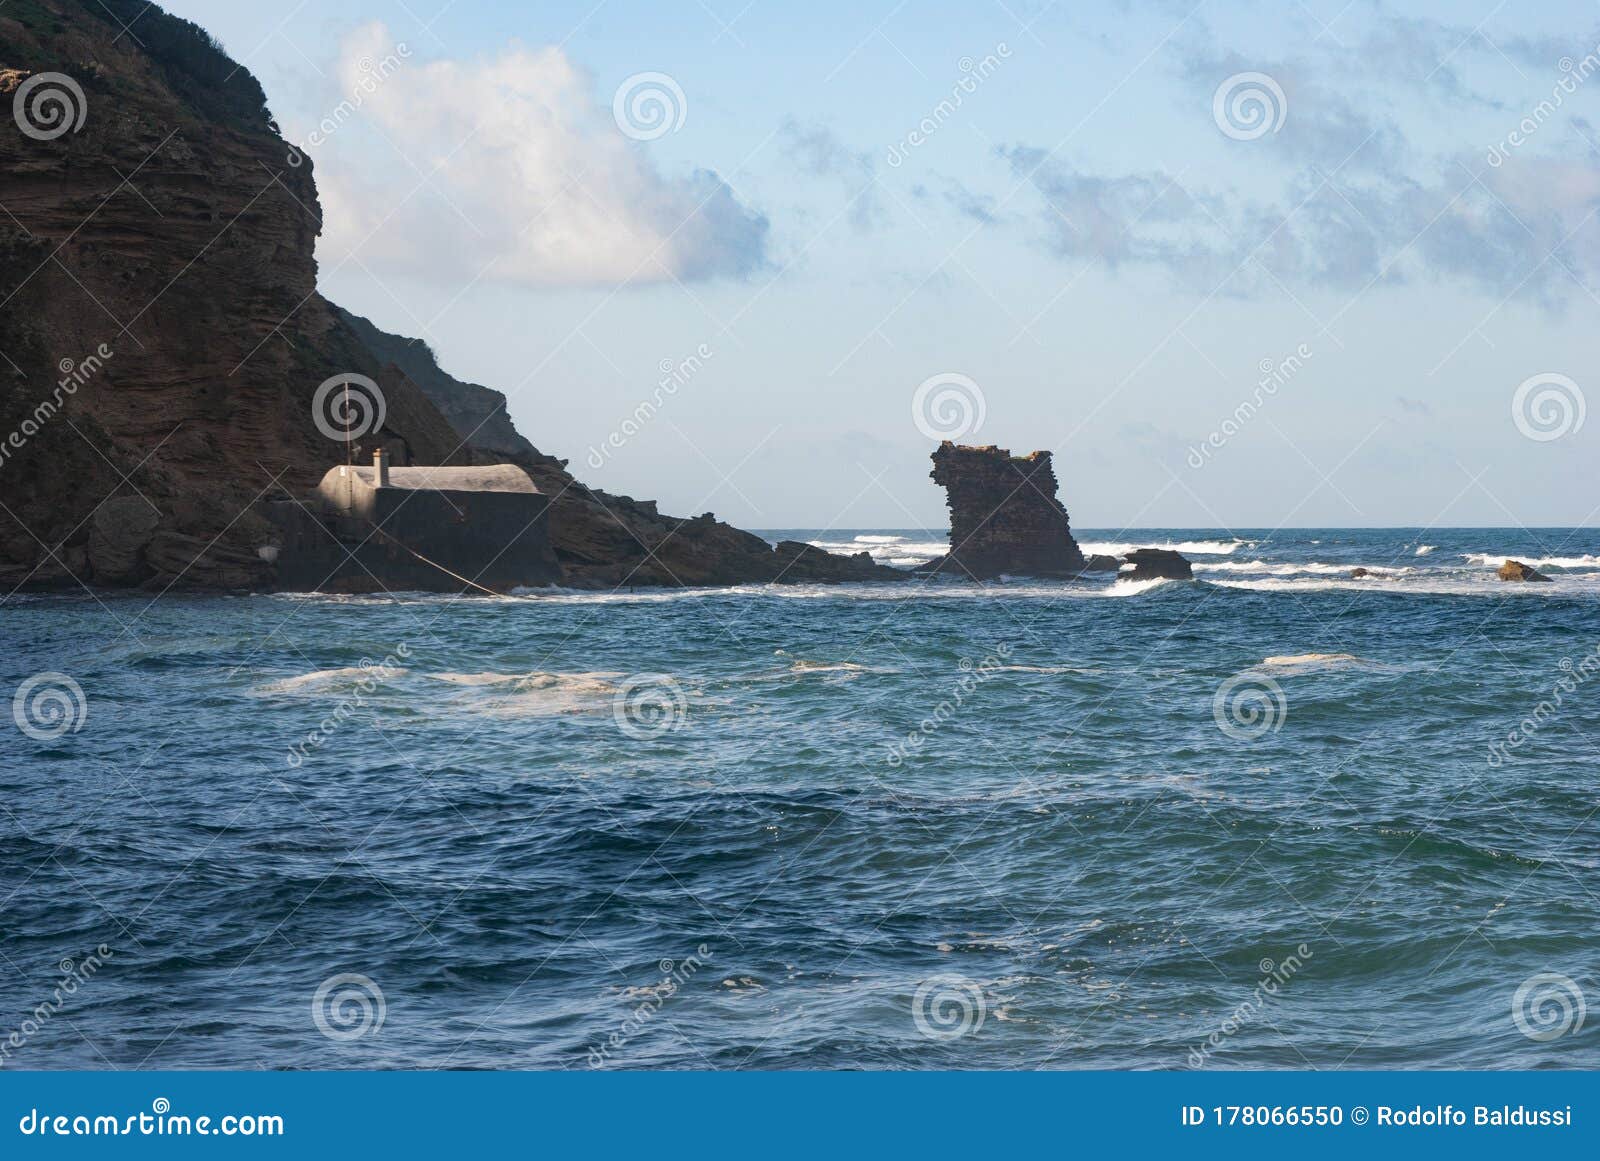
925, 825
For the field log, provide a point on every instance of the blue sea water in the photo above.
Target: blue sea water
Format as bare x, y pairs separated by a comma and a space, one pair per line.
1256, 820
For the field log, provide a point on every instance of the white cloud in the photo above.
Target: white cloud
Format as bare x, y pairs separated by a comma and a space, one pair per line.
507, 166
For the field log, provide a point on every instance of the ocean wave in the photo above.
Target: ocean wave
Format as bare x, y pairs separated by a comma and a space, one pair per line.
1308, 568
828, 667
1424, 549
1291, 663
895, 550
1132, 588
542, 694
1196, 547
600, 681
916, 589
1080, 669
1432, 583
321, 679
1495, 560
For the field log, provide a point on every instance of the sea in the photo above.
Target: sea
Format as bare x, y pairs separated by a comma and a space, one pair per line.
1270, 818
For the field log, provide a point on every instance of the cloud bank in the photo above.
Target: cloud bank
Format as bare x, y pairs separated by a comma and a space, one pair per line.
508, 169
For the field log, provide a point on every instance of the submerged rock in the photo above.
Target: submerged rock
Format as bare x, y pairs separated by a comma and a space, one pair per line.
1100, 562
800, 563
1157, 563
1515, 570
1004, 515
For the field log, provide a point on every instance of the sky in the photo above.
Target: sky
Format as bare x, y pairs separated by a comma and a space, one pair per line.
1238, 265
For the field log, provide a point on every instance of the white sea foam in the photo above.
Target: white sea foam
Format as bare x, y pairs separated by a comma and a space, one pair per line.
1424, 549
549, 694
827, 667
321, 679
1307, 568
1297, 662
890, 550
1195, 547
1423, 583
1495, 560
918, 589
473, 678
1047, 669
1132, 588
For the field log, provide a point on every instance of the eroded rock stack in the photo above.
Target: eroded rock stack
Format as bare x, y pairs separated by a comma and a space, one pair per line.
1004, 515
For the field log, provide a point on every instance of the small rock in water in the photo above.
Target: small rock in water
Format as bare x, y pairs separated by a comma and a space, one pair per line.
1154, 563
1515, 570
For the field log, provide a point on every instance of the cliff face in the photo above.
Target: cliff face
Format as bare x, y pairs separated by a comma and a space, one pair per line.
1004, 515
162, 340
162, 334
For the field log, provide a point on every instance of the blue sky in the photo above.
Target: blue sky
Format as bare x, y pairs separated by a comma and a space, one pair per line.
1107, 264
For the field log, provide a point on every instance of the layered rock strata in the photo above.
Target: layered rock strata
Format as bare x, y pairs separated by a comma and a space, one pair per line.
1004, 514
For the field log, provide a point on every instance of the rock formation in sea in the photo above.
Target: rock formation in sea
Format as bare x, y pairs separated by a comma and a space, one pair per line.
1515, 570
162, 338
1156, 564
1004, 515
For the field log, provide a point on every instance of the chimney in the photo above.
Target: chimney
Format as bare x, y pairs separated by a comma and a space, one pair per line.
380, 468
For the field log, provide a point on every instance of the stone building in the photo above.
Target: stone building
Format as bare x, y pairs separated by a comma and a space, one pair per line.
383, 528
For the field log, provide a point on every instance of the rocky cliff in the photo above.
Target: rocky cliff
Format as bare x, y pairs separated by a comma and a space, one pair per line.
1004, 515
162, 340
